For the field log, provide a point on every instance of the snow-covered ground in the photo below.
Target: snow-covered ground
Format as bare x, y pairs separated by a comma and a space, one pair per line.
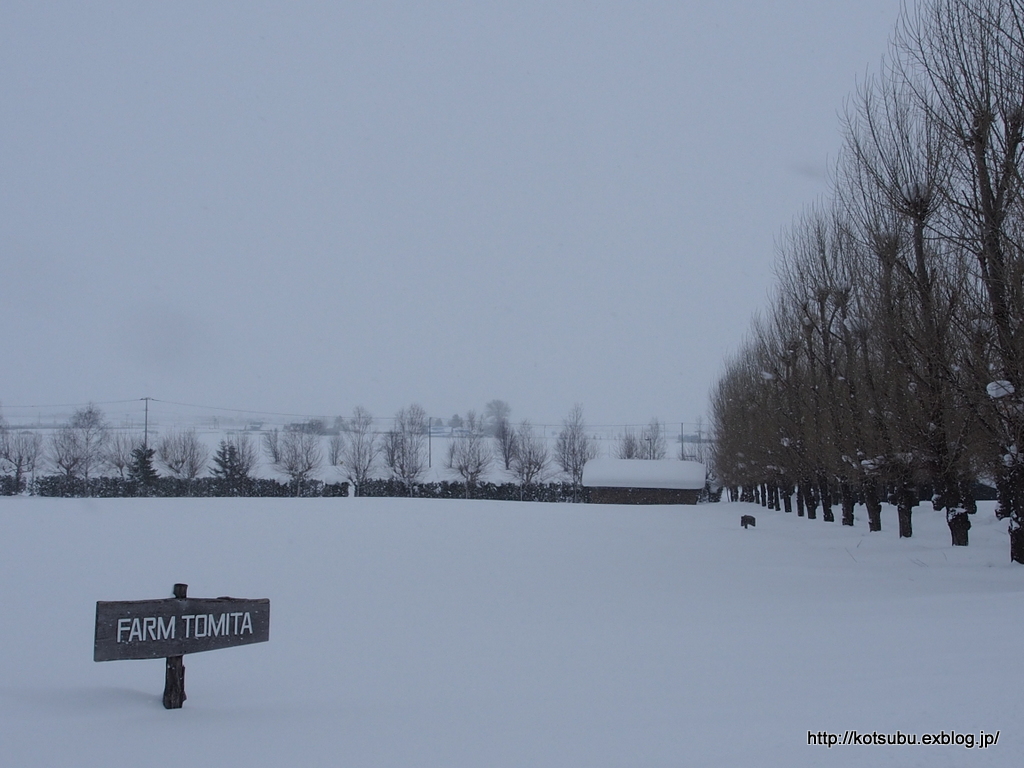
456, 633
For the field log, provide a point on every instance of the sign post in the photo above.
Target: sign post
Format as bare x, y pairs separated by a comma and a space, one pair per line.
170, 628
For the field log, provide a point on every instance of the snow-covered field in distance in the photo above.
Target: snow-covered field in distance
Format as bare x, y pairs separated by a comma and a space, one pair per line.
410, 632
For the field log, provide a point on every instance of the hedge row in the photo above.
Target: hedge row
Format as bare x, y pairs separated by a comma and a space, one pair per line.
551, 492
169, 487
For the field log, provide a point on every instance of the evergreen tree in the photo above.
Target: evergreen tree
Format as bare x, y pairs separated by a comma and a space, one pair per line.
226, 462
229, 467
140, 468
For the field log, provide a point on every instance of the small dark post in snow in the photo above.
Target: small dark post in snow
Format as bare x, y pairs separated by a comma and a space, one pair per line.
174, 682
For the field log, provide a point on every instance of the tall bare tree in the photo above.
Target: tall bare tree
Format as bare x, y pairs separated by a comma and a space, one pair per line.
359, 448
574, 447
469, 455
628, 445
405, 446
117, 454
530, 462
496, 412
295, 453
505, 442
65, 453
20, 453
967, 56
183, 454
77, 448
652, 442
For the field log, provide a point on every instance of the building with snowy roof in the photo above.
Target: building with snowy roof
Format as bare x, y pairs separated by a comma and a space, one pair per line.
641, 481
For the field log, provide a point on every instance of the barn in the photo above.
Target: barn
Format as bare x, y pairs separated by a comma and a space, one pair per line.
640, 481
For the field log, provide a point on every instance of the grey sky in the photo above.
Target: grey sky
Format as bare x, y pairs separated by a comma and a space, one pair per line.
305, 207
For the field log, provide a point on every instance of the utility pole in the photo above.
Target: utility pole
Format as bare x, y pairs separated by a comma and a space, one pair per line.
145, 432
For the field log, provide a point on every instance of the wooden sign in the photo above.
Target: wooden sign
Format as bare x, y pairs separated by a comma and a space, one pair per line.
173, 627
156, 629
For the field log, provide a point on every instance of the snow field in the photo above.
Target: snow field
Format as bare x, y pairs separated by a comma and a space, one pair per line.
469, 633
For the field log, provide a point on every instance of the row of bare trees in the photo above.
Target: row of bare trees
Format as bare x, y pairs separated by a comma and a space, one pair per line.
649, 443
87, 445
893, 352
78, 449
522, 451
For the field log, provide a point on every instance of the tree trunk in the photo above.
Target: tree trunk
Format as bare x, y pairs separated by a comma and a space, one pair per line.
873, 504
809, 500
959, 524
947, 496
787, 497
847, 500
1016, 542
904, 510
1004, 505
1011, 499
826, 501
967, 497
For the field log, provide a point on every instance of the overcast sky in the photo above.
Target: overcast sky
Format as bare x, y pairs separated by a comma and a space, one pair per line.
304, 207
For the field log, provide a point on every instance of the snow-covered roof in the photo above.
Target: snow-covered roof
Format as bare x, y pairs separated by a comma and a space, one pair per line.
642, 473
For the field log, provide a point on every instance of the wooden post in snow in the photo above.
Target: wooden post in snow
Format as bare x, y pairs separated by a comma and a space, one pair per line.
174, 681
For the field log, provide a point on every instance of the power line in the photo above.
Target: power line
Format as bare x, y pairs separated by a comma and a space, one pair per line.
286, 414
70, 405
232, 410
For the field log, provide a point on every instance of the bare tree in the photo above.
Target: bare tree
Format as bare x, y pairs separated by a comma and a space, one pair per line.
66, 452
894, 356
335, 446
405, 446
272, 446
117, 454
295, 453
530, 462
495, 412
574, 447
505, 442
897, 184
964, 59
468, 455
359, 448
90, 436
183, 453
628, 446
20, 452
701, 450
652, 443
